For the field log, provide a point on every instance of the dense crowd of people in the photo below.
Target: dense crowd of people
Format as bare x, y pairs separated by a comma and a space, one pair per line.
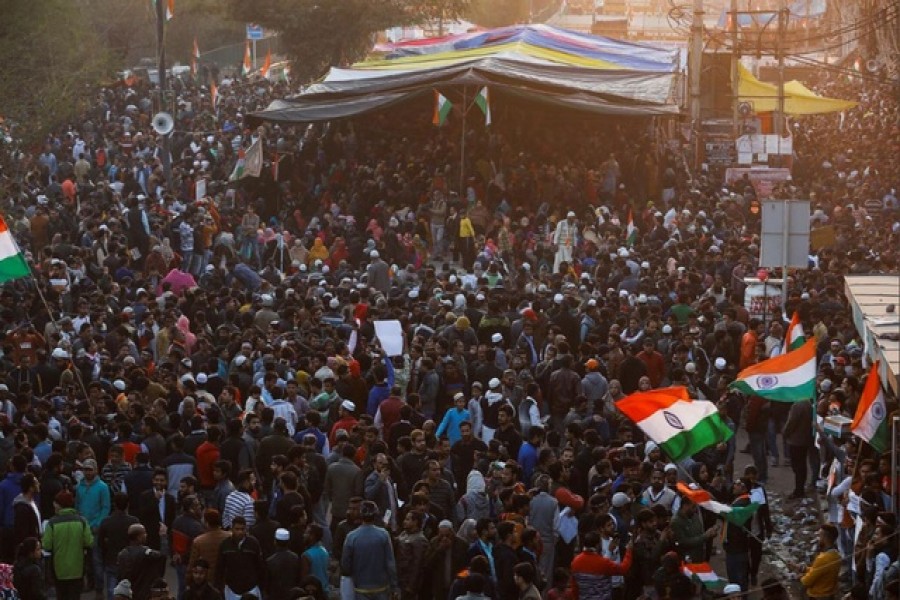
203, 383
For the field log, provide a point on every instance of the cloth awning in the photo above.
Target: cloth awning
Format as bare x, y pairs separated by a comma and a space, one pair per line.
554, 67
798, 99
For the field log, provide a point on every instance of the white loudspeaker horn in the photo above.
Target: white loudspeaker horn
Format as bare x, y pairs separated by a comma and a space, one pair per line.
872, 65
163, 123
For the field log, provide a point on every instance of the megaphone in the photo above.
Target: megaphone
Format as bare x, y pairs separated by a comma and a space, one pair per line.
745, 109
163, 123
872, 65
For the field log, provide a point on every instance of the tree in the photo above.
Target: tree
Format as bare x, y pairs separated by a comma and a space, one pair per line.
318, 34
52, 61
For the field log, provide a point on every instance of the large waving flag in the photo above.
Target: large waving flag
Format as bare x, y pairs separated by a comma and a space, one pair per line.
442, 108
789, 377
12, 263
795, 337
680, 426
870, 422
248, 63
735, 514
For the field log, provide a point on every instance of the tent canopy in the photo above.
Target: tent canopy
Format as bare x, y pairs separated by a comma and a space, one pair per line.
543, 64
798, 99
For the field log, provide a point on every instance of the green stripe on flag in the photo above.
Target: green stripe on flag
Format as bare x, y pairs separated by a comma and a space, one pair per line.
739, 515
797, 343
881, 440
13, 267
709, 431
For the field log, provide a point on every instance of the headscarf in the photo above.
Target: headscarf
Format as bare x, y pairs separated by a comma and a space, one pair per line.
466, 531
475, 482
317, 252
184, 325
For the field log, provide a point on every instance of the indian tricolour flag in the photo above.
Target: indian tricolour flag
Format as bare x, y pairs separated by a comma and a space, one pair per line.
630, 229
680, 426
442, 108
795, 337
247, 65
483, 101
788, 377
870, 422
736, 514
12, 263
703, 573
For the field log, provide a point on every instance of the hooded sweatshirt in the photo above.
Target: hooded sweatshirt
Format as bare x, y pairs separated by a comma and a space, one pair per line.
476, 504
490, 405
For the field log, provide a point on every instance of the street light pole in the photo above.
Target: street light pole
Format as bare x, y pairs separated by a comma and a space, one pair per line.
163, 87
695, 65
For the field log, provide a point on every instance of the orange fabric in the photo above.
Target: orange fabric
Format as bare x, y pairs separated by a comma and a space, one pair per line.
748, 349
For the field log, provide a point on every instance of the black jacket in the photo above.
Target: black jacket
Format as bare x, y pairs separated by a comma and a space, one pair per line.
505, 560
148, 513
282, 574
138, 481
241, 568
141, 566
25, 521
28, 577
112, 536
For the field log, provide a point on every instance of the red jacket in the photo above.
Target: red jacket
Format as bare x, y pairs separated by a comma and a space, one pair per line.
592, 573
207, 454
656, 366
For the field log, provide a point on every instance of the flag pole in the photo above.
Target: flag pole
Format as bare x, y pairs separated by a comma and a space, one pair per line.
462, 154
37, 286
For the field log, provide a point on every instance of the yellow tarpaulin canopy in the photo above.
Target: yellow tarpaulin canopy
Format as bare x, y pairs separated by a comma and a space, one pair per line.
798, 99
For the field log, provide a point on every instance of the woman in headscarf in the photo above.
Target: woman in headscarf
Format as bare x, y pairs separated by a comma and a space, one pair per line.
190, 340
317, 252
338, 252
298, 252
466, 531
374, 229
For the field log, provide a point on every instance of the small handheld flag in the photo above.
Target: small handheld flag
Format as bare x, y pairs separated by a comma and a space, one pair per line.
264, 71
442, 108
484, 103
870, 422
248, 63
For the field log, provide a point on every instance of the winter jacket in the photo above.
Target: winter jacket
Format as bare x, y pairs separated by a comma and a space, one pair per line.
92, 501
592, 575
66, 538
476, 504
799, 426
27, 519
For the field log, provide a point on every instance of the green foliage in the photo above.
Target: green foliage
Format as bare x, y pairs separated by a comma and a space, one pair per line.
318, 34
128, 28
52, 60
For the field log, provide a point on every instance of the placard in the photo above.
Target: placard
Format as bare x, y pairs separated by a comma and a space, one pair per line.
390, 335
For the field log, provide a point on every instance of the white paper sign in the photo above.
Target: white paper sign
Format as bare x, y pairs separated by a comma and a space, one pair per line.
390, 335
199, 189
